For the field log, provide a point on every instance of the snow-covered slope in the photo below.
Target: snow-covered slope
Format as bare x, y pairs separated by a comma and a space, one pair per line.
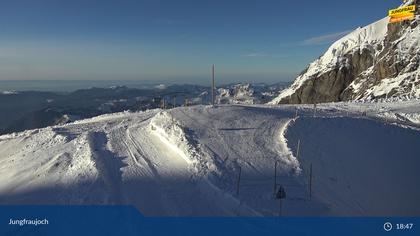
377, 61
247, 93
186, 161
237, 94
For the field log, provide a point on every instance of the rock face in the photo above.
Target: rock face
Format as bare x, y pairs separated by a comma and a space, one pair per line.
380, 60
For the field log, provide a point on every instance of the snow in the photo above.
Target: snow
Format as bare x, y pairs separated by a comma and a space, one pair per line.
395, 84
9, 92
391, 110
186, 161
172, 135
367, 168
371, 37
407, 3
365, 37
245, 93
161, 86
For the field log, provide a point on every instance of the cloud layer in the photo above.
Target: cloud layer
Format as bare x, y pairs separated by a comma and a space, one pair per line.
325, 39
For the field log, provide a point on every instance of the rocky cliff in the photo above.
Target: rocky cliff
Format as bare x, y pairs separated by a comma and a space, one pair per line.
380, 60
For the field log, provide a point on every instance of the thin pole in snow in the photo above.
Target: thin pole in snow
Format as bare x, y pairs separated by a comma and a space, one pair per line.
174, 101
163, 103
275, 178
212, 86
239, 181
298, 150
310, 182
280, 207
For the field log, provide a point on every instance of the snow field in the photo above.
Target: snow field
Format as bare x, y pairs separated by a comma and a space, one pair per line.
186, 161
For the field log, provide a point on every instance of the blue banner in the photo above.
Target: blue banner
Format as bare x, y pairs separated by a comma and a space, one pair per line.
126, 220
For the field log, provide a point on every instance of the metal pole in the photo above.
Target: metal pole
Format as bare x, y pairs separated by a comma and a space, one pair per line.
310, 182
275, 178
212, 86
298, 150
239, 181
280, 207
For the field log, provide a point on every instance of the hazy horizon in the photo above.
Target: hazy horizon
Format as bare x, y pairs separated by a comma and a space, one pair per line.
177, 42
73, 85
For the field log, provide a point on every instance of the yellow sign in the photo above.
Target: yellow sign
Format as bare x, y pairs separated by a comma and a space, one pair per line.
407, 16
402, 11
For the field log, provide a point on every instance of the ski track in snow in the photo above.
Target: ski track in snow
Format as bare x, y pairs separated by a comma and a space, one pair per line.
186, 161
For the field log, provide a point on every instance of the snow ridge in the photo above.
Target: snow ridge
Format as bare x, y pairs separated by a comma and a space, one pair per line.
366, 37
181, 140
380, 60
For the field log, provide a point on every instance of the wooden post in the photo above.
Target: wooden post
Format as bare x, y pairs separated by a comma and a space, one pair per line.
239, 181
298, 150
174, 102
310, 182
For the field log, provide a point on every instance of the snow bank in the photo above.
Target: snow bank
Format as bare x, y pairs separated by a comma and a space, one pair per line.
288, 159
401, 116
170, 132
180, 139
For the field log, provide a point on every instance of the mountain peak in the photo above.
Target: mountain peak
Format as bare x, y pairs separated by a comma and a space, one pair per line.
376, 61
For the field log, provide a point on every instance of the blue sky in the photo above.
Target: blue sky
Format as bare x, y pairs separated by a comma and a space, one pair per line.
173, 40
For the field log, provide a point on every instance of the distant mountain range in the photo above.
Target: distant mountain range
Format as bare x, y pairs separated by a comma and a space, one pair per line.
23, 110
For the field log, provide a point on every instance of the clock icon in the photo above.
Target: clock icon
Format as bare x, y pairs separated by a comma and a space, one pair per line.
387, 226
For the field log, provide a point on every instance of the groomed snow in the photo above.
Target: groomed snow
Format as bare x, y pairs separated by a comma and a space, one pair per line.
186, 161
